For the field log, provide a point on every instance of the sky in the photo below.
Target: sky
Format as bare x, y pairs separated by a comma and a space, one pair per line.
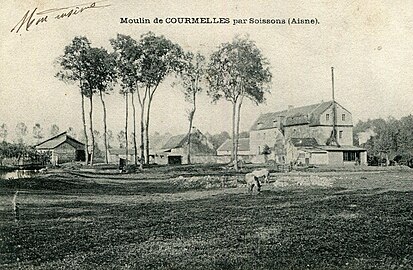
369, 44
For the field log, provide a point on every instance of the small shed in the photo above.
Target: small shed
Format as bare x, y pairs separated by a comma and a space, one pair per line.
346, 155
62, 148
305, 151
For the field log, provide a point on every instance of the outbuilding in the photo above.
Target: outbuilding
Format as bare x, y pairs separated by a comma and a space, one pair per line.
306, 151
62, 148
175, 150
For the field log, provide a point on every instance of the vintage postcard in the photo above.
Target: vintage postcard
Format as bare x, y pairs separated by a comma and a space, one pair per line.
143, 134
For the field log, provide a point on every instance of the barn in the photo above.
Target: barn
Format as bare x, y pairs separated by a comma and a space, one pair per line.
175, 150
62, 148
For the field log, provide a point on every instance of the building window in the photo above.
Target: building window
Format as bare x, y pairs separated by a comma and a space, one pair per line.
327, 117
259, 150
343, 117
340, 134
349, 156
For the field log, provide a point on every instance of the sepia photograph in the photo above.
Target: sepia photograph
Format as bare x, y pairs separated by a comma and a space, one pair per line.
141, 134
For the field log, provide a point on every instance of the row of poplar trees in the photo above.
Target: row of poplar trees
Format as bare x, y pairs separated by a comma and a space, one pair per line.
236, 70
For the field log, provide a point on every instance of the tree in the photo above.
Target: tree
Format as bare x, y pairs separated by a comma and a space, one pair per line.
73, 64
237, 70
19, 151
159, 58
54, 130
266, 151
3, 132
101, 75
37, 132
97, 78
218, 139
390, 139
192, 73
97, 136
122, 139
109, 136
142, 66
71, 132
21, 132
89, 91
405, 140
128, 56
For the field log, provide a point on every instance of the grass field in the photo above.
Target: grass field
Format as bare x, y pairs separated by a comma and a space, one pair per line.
158, 220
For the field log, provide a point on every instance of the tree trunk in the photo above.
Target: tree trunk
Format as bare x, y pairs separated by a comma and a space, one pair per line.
234, 107
105, 128
191, 118
92, 152
126, 127
142, 102
142, 146
147, 130
85, 130
237, 132
147, 120
134, 129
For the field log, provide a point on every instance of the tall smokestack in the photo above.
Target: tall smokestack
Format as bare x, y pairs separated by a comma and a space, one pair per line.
333, 138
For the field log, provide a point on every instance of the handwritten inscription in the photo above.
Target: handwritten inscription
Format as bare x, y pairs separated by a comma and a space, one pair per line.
33, 17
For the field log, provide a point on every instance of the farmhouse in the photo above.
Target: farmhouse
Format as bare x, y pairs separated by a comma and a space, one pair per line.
174, 151
321, 133
63, 148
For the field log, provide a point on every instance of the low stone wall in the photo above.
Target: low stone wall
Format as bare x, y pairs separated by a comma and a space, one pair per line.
212, 159
209, 181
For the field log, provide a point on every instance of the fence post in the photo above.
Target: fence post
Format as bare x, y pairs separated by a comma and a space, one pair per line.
15, 207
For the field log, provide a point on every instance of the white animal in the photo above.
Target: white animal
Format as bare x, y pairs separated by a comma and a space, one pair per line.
262, 173
252, 181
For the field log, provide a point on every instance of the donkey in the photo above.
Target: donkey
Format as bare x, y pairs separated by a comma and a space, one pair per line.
252, 181
264, 173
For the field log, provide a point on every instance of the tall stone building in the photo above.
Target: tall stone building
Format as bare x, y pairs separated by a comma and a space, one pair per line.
327, 125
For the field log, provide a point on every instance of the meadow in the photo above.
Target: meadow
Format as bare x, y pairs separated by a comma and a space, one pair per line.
194, 218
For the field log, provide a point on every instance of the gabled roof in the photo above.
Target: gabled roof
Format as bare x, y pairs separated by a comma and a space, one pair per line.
309, 114
175, 142
243, 145
198, 141
59, 139
304, 142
